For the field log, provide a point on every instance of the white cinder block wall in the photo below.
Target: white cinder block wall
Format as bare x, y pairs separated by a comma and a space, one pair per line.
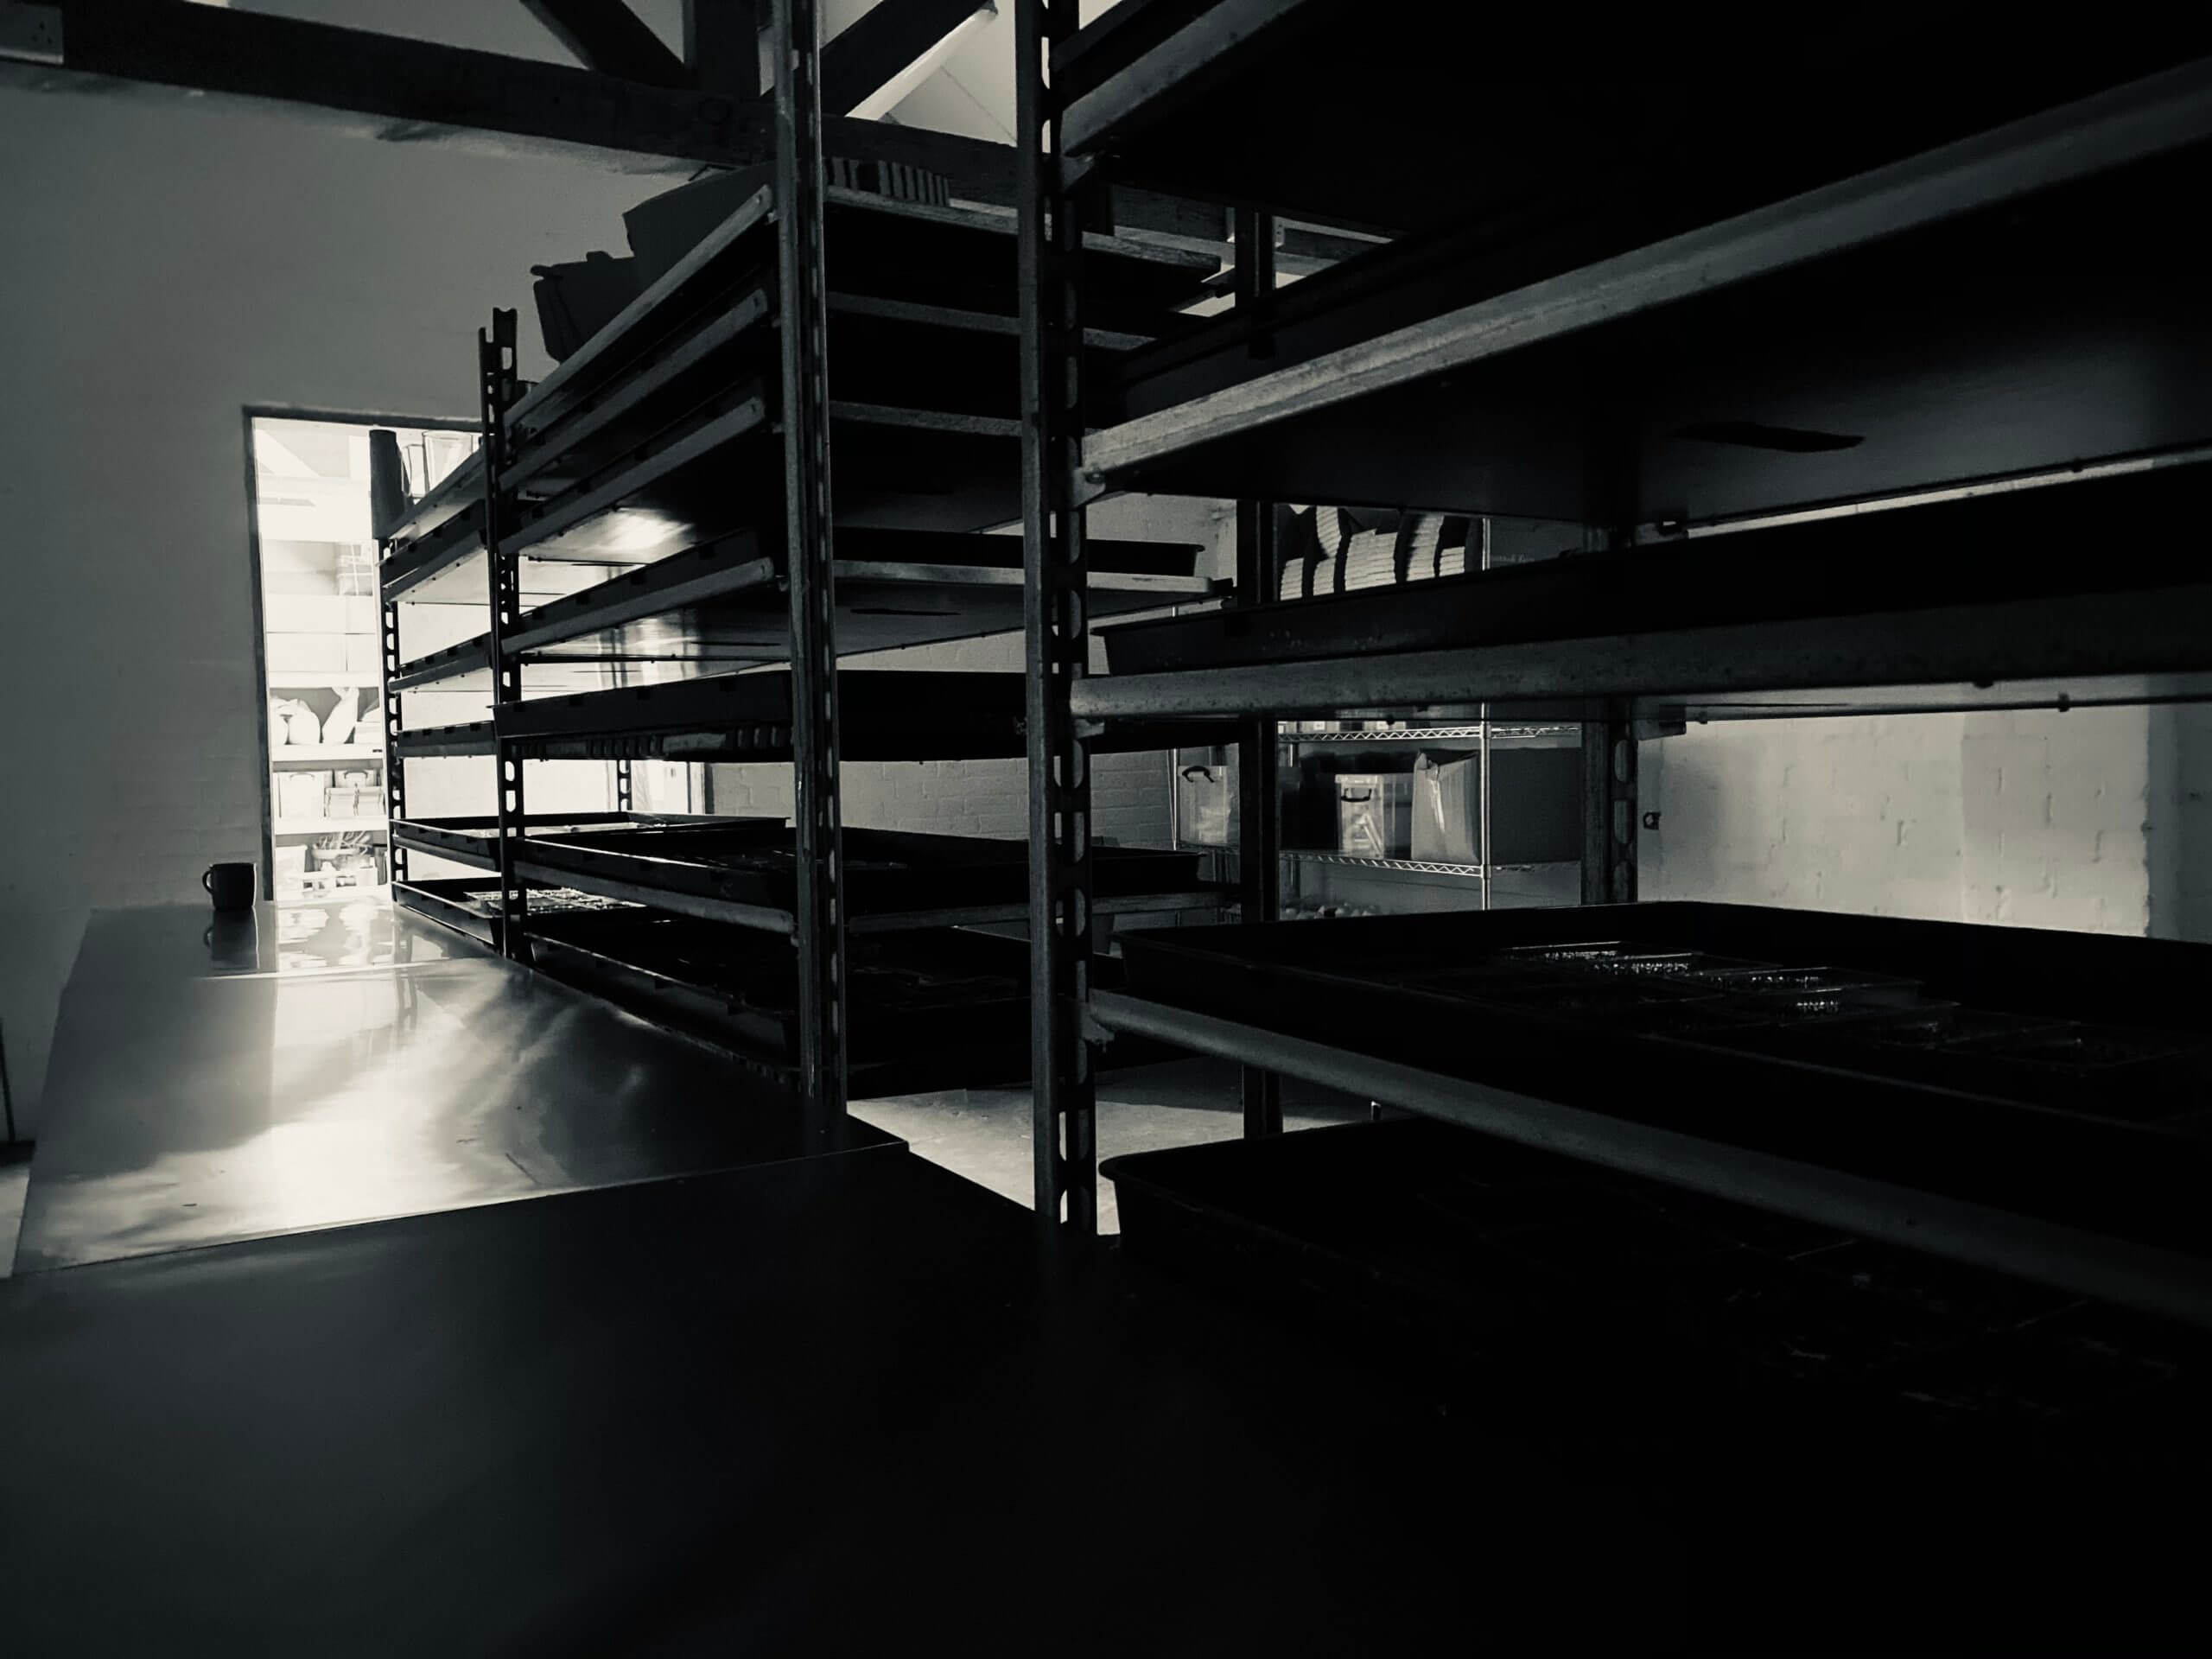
2036, 819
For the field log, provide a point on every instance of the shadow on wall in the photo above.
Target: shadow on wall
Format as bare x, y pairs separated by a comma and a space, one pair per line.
2181, 822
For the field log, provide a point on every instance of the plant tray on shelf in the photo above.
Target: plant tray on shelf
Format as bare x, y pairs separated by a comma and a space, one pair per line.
1977, 549
941, 1006
753, 861
467, 906
2063, 1075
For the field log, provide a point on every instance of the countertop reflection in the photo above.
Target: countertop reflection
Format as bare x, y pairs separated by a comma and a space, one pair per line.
217, 1078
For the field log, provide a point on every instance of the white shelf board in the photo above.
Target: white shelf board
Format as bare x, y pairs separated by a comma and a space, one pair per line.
325, 826
322, 753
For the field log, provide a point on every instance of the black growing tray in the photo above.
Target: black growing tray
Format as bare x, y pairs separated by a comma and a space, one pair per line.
752, 861
928, 1008
453, 901
883, 714
1413, 990
1523, 1254
1980, 550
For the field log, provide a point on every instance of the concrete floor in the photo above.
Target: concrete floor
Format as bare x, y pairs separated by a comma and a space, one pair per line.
983, 1133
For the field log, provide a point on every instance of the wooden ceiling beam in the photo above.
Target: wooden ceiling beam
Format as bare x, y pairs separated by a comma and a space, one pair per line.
722, 45
883, 44
411, 92
379, 85
608, 36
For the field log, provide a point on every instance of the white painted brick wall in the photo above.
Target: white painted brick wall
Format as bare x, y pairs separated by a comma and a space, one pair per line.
2056, 810
2036, 819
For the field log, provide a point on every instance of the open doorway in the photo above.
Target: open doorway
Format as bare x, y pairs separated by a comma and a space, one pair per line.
326, 840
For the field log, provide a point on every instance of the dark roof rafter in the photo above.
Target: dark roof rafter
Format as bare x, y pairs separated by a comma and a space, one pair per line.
413, 92
608, 36
883, 44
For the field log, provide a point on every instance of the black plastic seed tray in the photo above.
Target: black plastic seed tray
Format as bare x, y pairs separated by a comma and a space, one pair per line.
2112, 1149
942, 1006
1779, 576
753, 861
467, 906
1707, 1305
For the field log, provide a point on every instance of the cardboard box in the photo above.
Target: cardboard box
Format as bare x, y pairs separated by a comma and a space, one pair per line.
1372, 813
1448, 809
364, 653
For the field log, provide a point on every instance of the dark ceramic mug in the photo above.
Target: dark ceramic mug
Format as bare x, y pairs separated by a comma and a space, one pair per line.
230, 886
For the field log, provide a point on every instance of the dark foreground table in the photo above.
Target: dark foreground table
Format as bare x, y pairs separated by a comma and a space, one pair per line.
840, 1406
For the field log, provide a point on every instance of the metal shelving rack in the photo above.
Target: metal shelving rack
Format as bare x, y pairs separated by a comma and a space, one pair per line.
1477, 879
686, 451
1453, 370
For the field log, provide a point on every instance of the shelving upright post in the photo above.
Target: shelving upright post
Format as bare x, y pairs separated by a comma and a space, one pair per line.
1058, 640
810, 561
497, 390
1259, 864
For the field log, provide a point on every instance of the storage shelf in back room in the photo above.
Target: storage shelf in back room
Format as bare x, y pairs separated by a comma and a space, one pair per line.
319, 754
326, 826
1400, 865
293, 679
1565, 736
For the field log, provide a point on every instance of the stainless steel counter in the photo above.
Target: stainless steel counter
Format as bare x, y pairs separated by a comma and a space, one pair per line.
201, 1093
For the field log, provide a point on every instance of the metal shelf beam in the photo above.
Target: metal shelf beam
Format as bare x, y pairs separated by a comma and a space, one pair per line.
2157, 1280
2066, 644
